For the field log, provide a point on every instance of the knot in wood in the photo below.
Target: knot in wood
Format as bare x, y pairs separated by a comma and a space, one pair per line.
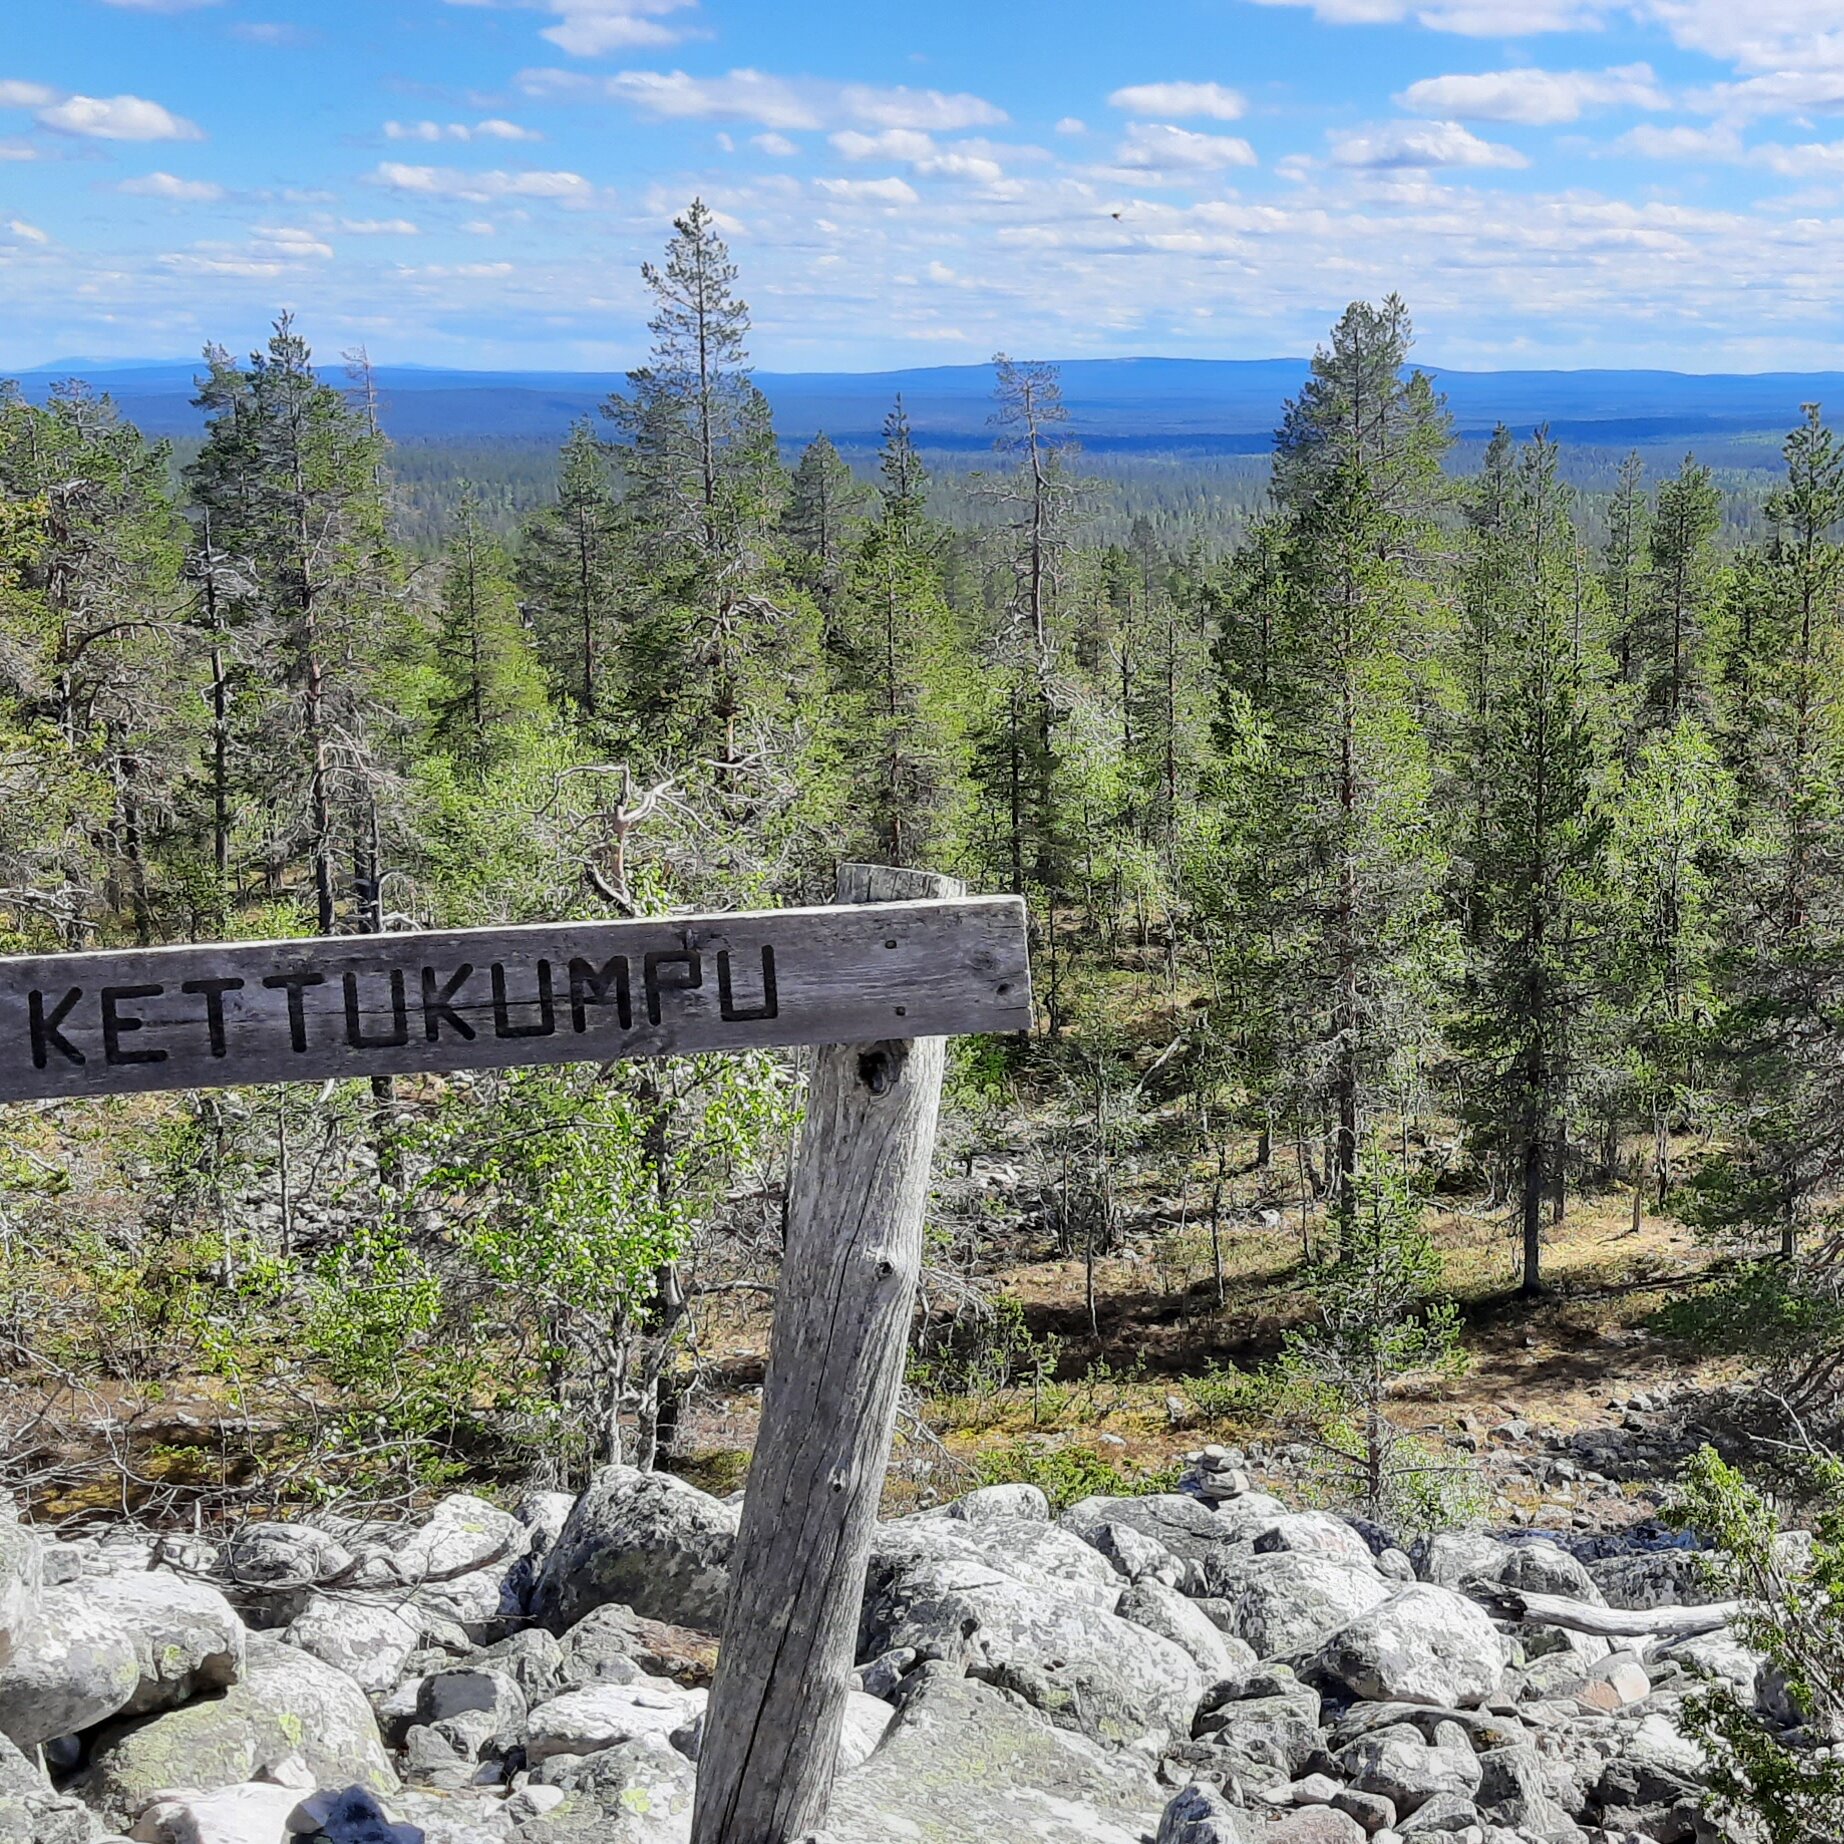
880, 1067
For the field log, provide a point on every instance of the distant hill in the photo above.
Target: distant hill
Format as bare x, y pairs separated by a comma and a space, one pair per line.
1226, 406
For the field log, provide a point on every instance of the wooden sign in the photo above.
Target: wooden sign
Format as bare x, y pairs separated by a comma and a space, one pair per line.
114, 1022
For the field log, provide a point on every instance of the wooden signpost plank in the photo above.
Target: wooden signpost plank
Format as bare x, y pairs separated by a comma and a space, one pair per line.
878, 981
118, 1022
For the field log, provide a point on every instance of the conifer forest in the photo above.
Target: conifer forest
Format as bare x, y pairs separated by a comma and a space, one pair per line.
1435, 869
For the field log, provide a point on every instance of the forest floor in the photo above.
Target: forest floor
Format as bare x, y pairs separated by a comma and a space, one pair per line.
1172, 1368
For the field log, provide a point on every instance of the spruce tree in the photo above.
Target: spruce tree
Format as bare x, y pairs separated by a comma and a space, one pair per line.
1671, 638
290, 477
704, 483
574, 561
489, 685
1781, 959
820, 521
1336, 758
1538, 762
1017, 757
900, 661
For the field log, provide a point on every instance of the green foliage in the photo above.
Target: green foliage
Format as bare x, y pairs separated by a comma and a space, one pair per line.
1768, 1787
1378, 1322
1224, 1393
1068, 1473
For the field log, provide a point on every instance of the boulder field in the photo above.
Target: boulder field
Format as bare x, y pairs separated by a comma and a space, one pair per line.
1209, 1666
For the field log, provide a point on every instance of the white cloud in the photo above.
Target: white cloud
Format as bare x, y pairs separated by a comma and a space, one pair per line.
1652, 142
892, 144
1814, 89
1414, 145
380, 227
1768, 36
1176, 101
590, 28
969, 160
954, 163
118, 118
1159, 147
27, 233
742, 95
171, 186
478, 188
494, 129
777, 145
1822, 159
771, 102
1538, 98
272, 251
902, 107
1472, 18
1072, 124
871, 191
270, 32
291, 241
17, 95
480, 227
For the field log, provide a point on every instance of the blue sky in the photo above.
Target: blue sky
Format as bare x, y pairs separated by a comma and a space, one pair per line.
475, 182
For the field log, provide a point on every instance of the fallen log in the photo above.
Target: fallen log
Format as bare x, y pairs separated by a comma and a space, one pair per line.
1609, 1622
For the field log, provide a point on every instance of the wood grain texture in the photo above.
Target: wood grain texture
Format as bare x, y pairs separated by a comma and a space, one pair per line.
1610, 1622
376, 1005
841, 1333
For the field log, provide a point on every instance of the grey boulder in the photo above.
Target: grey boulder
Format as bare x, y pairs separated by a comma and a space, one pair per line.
1083, 1668
1423, 1645
647, 1540
188, 1640
604, 1715
286, 1703
962, 1764
71, 1666
1288, 1602
368, 1638
1200, 1815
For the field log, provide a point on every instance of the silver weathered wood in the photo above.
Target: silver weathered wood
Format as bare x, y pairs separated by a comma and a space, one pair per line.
377, 1005
841, 1332
1611, 1622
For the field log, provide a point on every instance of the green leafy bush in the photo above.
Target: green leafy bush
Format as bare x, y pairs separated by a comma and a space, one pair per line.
1765, 1786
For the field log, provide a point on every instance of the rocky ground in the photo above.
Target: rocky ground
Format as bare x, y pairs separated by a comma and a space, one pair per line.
1202, 1667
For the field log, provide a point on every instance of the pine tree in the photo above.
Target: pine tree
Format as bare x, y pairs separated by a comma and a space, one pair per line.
1379, 1321
92, 642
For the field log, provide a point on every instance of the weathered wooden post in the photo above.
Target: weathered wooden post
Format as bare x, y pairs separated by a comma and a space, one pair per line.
875, 980
858, 1193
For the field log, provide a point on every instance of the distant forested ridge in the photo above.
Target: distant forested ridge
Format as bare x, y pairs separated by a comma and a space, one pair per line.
1456, 818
